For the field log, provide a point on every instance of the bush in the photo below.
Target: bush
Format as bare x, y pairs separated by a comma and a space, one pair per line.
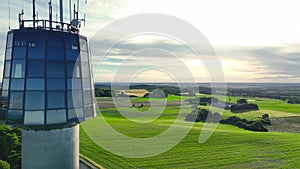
10, 145
242, 101
4, 165
255, 126
294, 100
203, 103
265, 116
242, 107
202, 115
265, 119
245, 124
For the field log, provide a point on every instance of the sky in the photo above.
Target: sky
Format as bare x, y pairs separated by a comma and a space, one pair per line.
255, 40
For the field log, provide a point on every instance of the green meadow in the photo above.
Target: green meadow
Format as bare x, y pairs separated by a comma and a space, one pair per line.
228, 147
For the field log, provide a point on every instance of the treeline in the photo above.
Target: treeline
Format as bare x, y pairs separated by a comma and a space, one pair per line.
294, 100
204, 115
173, 90
104, 92
203, 101
241, 105
253, 125
285, 92
10, 146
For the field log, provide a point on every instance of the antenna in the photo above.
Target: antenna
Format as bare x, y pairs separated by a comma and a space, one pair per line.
33, 11
61, 14
50, 13
70, 10
21, 19
76, 21
9, 14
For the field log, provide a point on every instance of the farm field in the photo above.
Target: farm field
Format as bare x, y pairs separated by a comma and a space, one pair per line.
228, 147
265, 103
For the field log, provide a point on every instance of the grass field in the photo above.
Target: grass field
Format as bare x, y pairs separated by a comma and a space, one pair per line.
266, 104
229, 146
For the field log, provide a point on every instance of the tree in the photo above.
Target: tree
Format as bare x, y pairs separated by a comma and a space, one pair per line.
4, 165
242, 101
265, 116
244, 107
265, 119
10, 145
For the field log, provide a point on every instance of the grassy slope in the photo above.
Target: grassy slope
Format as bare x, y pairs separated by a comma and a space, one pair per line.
229, 147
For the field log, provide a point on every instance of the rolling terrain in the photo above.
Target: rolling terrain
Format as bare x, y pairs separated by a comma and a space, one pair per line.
228, 147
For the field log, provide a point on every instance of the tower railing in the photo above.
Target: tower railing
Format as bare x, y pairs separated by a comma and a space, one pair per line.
47, 25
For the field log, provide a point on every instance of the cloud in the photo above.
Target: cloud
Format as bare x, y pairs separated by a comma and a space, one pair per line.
264, 63
278, 63
273, 63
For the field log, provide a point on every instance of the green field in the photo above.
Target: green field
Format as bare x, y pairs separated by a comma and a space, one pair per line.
229, 146
266, 104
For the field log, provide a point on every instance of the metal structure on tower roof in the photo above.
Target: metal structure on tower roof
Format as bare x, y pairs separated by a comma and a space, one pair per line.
48, 88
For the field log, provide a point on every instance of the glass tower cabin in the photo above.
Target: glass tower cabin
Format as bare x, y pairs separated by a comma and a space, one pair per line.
47, 78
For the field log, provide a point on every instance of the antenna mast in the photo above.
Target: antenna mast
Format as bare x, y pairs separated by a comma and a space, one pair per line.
9, 14
61, 5
70, 10
33, 11
50, 13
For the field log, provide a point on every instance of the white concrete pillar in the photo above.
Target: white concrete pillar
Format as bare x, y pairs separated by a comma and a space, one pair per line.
51, 149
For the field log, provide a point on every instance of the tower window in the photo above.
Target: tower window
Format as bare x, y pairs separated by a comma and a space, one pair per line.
56, 100
35, 84
35, 100
15, 117
34, 117
18, 69
56, 84
16, 100
8, 54
17, 84
36, 69
56, 116
55, 70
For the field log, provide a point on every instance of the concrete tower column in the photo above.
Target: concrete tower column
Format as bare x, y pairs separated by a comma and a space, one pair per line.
51, 149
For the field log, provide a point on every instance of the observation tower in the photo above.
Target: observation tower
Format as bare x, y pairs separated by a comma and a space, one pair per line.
48, 88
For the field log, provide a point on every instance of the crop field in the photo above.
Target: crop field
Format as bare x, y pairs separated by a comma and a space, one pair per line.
228, 147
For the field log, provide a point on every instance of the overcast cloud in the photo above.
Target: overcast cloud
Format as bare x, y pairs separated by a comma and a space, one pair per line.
254, 42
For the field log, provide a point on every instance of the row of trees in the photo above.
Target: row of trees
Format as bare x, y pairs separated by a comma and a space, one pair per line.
166, 89
104, 92
202, 115
243, 107
253, 125
285, 92
294, 100
10, 146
